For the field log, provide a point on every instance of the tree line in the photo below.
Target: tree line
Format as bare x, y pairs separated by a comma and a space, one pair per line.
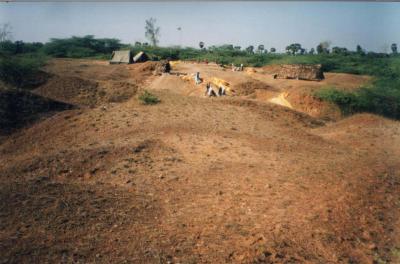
19, 61
88, 45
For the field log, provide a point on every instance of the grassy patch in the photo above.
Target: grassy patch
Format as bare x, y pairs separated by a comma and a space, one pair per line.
347, 101
148, 98
376, 99
381, 97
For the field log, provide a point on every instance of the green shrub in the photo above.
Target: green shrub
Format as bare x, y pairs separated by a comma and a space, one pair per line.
19, 47
380, 100
347, 101
148, 98
81, 47
21, 71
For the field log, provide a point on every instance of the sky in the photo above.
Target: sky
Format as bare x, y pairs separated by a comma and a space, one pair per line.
274, 24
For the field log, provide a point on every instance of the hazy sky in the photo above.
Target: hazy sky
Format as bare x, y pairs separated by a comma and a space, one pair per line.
372, 25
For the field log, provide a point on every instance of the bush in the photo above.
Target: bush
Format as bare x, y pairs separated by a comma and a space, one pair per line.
19, 47
148, 98
380, 100
81, 47
21, 71
347, 101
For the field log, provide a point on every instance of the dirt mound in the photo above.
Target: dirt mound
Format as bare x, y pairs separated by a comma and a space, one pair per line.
90, 83
250, 87
345, 81
116, 91
145, 67
303, 101
199, 180
95, 70
367, 125
73, 90
281, 100
271, 69
360, 121
19, 108
81, 92
47, 220
162, 67
152, 67
278, 113
300, 72
33, 81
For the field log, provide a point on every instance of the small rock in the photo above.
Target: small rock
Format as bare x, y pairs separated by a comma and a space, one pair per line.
371, 246
262, 257
366, 235
94, 170
174, 178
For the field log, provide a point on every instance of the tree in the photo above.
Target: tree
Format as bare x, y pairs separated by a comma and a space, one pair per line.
152, 32
237, 48
293, 48
320, 50
201, 44
360, 50
302, 51
339, 50
77, 47
225, 47
260, 48
326, 45
394, 48
272, 50
5, 32
312, 51
250, 49
323, 47
138, 44
335, 50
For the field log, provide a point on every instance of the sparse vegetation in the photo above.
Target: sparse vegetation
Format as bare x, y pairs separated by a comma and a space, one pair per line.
349, 102
5, 32
152, 31
21, 71
381, 97
81, 47
148, 98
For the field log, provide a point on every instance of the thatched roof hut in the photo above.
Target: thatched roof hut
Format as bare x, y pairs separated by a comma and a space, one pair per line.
300, 72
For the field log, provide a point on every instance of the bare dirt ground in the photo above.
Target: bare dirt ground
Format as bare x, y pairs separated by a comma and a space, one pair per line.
193, 179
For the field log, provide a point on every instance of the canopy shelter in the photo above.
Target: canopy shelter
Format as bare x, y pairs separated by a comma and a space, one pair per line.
121, 56
141, 57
